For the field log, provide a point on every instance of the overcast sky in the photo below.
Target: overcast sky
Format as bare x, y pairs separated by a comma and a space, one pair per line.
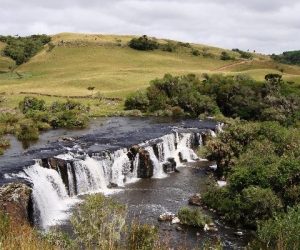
263, 25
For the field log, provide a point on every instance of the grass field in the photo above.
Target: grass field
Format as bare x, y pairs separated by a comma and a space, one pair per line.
115, 70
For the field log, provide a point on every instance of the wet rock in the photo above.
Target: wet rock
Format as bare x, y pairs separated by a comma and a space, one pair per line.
181, 157
178, 228
239, 233
145, 167
66, 139
210, 227
166, 217
112, 185
175, 220
134, 150
169, 166
15, 200
195, 200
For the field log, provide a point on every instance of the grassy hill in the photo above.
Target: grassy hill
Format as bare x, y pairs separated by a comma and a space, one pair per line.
105, 62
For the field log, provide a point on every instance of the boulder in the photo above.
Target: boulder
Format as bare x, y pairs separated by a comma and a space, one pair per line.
195, 200
169, 166
167, 217
145, 167
15, 200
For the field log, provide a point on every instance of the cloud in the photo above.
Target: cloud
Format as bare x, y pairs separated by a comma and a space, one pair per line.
267, 26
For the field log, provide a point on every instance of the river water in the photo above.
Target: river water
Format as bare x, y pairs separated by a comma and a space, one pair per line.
88, 161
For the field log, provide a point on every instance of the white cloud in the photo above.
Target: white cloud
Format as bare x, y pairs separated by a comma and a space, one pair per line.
268, 26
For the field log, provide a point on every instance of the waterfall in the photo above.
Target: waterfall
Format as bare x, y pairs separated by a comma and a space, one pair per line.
184, 148
158, 171
71, 180
49, 194
89, 176
83, 174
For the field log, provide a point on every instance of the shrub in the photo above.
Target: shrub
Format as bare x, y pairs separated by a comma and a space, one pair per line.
195, 52
225, 56
142, 236
21, 49
98, 222
193, 217
138, 100
27, 131
281, 232
168, 47
143, 43
32, 103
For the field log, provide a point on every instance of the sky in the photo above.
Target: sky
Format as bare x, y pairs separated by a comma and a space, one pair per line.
267, 26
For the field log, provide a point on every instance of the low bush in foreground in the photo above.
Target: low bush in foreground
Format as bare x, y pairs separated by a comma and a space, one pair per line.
193, 217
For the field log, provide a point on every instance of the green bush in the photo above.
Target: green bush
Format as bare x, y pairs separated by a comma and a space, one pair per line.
143, 43
225, 56
168, 47
142, 236
138, 100
27, 131
98, 222
195, 52
21, 49
281, 232
32, 104
193, 217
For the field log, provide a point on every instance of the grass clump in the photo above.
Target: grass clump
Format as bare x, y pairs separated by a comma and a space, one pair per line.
142, 236
193, 217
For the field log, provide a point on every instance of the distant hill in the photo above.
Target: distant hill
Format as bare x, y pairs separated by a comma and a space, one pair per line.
288, 57
74, 62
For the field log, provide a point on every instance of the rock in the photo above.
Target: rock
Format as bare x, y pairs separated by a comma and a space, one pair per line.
112, 185
166, 217
178, 228
221, 183
198, 234
65, 138
181, 157
169, 166
145, 167
175, 220
210, 227
15, 200
195, 200
239, 233
206, 227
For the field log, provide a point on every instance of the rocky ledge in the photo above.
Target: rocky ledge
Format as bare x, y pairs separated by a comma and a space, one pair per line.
15, 200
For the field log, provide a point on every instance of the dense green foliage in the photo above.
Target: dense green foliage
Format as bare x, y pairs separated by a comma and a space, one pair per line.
289, 57
235, 96
281, 232
21, 49
67, 114
193, 217
143, 43
262, 164
174, 94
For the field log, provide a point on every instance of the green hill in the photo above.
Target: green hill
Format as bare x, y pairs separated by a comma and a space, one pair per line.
78, 61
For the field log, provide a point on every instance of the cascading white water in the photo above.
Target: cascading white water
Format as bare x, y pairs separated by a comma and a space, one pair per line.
158, 171
89, 176
71, 180
49, 193
121, 164
94, 174
133, 175
184, 148
166, 148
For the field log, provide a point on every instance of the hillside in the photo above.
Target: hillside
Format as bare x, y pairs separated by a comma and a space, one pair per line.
77, 61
